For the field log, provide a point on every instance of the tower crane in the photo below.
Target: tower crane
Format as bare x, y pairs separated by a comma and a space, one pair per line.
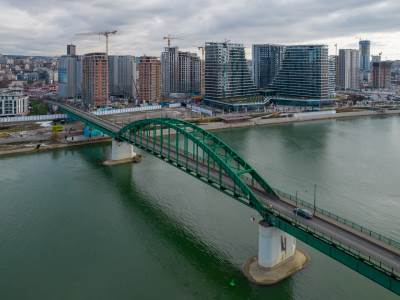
168, 37
202, 48
104, 33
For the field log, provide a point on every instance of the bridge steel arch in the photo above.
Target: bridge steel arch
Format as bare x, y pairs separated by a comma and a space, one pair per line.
204, 156
209, 159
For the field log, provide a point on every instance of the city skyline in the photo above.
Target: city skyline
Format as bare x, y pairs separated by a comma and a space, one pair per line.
44, 27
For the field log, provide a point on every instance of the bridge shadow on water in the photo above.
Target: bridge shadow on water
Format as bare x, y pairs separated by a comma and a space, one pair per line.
208, 260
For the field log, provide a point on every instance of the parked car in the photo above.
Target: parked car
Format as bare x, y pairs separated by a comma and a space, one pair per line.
305, 213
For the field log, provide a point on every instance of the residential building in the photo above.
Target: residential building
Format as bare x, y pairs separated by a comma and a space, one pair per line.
71, 50
335, 59
267, 59
303, 73
27, 76
13, 102
249, 64
202, 75
381, 75
95, 87
122, 76
332, 76
169, 71
227, 76
180, 72
349, 69
70, 74
149, 79
376, 58
365, 58
189, 73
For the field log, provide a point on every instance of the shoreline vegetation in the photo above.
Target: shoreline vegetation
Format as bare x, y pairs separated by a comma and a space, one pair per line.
31, 147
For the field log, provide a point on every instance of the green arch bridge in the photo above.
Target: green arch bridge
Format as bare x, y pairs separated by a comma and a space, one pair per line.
207, 158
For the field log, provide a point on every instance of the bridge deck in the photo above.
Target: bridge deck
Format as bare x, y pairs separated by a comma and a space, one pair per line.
369, 249
107, 126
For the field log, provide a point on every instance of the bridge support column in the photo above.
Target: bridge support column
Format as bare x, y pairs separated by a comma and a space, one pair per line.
278, 257
122, 152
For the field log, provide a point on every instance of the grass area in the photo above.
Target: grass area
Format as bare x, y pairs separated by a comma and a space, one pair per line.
38, 108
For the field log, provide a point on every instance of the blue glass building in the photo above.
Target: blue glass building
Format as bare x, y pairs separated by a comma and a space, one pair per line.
267, 60
303, 72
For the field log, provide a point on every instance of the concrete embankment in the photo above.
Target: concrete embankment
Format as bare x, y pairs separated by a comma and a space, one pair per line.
303, 118
33, 148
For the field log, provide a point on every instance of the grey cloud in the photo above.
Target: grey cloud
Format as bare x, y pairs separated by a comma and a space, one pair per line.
50, 24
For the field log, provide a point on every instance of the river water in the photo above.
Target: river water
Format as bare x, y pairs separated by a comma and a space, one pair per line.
71, 228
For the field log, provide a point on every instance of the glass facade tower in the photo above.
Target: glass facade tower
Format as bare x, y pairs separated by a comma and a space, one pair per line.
365, 58
303, 72
70, 74
267, 59
227, 75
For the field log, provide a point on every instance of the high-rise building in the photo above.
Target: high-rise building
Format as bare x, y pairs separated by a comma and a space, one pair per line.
226, 73
267, 59
70, 74
149, 79
381, 75
3, 59
71, 49
349, 69
332, 76
169, 71
335, 59
303, 72
376, 58
95, 87
122, 76
202, 76
189, 73
365, 59
365, 55
180, 72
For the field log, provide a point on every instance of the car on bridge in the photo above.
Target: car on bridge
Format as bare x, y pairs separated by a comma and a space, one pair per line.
305, 213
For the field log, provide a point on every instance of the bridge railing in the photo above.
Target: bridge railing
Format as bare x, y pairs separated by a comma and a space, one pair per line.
33, 118
339, 219
353, 251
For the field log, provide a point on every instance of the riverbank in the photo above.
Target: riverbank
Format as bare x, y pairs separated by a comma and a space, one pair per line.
303, 118
31, 147
27, 148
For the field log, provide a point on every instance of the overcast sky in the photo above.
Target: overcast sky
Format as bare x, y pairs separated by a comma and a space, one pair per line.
44, 27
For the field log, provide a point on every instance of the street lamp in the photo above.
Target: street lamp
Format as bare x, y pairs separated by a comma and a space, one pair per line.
315, 196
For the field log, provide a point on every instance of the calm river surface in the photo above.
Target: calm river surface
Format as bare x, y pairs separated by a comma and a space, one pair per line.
71, 228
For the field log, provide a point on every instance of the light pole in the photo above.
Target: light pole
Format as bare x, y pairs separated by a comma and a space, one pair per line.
315, 196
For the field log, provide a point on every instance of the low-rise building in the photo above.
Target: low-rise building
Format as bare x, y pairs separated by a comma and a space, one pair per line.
13, 102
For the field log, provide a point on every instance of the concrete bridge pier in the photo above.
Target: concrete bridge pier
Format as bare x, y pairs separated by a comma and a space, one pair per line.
122, 152
278, 257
